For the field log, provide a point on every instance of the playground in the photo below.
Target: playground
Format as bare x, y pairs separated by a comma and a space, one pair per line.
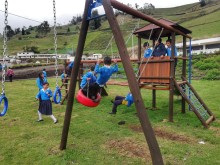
95, 136
160, 128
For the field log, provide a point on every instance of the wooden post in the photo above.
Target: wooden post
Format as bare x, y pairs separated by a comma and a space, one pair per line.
133, 85
154, 98
139, 48
184, 72
74, 74
172, 76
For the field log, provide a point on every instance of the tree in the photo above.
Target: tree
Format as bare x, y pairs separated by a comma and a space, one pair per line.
73, 21
68, 30
202, 2
136, 6
43, 28
22, 31
9, 32
95, 23
17, 30
147, 8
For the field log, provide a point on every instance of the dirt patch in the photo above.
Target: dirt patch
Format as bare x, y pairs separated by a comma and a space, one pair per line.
165, 134
130, 148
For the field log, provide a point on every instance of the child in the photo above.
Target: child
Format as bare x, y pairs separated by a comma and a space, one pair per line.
45, 106
69, 68
127, 100
45, 74
64, 80
40, 80
159, 50
87, 81
10, 74
105, 73
148, 51
169, 51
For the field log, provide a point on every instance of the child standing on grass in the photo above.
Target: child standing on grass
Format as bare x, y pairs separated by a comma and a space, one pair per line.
40, 80
45, 106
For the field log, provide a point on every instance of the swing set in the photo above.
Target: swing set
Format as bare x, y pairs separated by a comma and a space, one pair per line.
57, 92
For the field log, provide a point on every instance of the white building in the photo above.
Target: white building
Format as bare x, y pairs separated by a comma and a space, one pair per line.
209, 45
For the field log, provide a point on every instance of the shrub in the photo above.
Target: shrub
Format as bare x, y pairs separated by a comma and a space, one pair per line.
213, 74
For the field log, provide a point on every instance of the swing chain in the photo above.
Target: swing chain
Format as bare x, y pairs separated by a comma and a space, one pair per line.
4, 46
55, 42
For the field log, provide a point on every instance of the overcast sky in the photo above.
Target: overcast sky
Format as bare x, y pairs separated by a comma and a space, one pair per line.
41, 10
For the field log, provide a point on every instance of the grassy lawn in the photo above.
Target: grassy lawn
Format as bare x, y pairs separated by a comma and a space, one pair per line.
95, 136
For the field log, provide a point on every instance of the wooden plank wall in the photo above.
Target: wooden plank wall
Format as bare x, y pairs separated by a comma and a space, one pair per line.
153, 72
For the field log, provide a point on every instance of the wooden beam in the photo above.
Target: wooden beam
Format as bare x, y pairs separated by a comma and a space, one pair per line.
133, 85
74, 74
133, 12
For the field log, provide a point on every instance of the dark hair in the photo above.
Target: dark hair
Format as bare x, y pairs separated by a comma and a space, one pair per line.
92, 68
41, 79
44, 83
107, 60
44, 69
39, 75
169, 40
159, 40
145, 44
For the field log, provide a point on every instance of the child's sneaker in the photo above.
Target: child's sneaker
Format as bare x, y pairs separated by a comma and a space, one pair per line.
39, 120
56, 122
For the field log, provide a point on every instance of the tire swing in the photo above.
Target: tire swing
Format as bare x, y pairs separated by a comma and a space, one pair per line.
3, 97
85, 100
57, 92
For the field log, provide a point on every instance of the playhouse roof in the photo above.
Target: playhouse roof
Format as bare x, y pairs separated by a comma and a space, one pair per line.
145, 31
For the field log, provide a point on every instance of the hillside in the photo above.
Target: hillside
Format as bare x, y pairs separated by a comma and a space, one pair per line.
203, 21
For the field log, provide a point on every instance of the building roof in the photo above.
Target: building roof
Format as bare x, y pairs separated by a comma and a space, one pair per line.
146, 31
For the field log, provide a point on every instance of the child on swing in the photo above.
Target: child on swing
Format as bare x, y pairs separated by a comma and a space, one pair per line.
104, 73
87, 80
45, 106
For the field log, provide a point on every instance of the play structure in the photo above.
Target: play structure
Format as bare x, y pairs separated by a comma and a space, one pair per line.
159, 73
154, 73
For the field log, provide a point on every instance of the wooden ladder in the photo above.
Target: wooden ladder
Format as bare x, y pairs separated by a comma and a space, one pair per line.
195, 102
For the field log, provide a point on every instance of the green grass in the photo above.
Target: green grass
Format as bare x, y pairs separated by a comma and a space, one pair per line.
96, 138
203, 22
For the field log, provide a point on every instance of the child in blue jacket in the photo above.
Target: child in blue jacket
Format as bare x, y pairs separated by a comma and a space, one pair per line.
40, 80
104, 73
148, 51
45, 106
169, 51
127, 100
87, 82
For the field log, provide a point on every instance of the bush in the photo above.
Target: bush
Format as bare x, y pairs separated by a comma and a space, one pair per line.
213, 74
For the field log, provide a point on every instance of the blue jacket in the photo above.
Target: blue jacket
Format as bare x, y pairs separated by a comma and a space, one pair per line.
130, 99
44, 94
147, 53
105, 73
45, 74
40, 83
70, 66
84, 79
62, 76
159, 50
169, 52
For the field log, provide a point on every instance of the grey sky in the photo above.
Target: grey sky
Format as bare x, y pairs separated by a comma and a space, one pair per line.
42, 10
